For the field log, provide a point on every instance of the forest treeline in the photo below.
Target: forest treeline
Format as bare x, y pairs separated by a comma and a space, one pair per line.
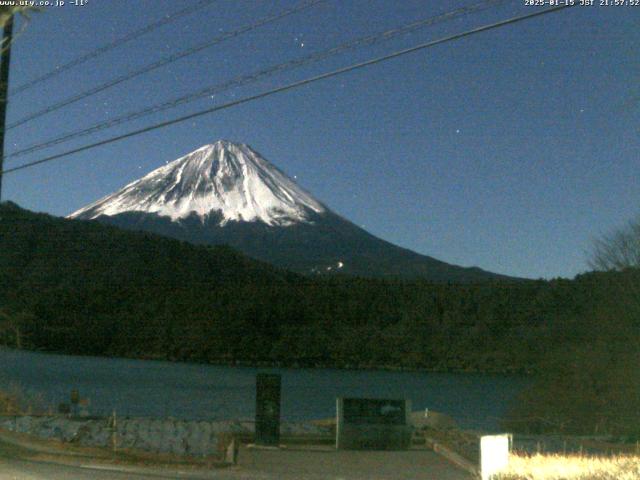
85, 288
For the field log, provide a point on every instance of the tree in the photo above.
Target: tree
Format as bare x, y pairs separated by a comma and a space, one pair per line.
618, 250
590, 383
14, 326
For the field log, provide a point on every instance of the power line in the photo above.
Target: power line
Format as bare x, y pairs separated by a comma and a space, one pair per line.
110, 46
292, 86
165, 61
261, 74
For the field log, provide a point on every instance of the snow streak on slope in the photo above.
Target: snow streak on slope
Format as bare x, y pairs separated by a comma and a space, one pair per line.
226, 178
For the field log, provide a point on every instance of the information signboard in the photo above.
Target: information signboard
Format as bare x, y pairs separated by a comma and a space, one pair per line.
370, 423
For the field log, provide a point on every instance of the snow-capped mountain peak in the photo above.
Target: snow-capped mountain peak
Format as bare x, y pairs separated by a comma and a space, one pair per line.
224, 177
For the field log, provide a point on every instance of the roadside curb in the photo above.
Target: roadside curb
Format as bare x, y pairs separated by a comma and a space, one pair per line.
454, 457
36, 446
35, 452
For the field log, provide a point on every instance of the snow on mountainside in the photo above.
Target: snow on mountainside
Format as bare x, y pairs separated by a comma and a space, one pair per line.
225, 178
226, 194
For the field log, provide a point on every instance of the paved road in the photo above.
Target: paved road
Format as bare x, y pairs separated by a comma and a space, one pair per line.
289, 464
325, 464
27, 470
14, 465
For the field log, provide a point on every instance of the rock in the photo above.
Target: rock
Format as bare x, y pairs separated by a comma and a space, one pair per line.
128, 433
23, 424
7, 424
325, 422
435, 420
303, 428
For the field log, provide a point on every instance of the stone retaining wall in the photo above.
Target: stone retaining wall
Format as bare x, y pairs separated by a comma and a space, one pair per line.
179, 437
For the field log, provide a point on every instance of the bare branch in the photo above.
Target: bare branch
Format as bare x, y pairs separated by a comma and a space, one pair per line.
619, 250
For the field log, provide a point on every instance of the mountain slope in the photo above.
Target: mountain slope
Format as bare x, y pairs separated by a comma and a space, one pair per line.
226, 193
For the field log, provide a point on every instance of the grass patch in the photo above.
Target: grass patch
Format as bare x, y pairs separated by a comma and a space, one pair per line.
571, 467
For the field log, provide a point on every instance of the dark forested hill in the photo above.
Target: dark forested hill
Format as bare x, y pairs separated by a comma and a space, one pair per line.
83, 287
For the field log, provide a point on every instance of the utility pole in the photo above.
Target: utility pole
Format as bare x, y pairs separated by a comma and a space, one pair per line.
5, 59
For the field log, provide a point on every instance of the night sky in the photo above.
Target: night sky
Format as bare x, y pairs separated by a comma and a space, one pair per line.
510, 150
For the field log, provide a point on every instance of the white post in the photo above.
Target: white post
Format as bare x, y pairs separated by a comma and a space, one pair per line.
494, 454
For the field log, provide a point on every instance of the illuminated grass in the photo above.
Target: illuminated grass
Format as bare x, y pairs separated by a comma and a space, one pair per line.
572, 467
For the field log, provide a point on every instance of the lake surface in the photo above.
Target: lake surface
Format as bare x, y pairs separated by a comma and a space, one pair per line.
192, 391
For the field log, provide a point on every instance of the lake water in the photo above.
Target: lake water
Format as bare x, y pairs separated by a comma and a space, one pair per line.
192, 391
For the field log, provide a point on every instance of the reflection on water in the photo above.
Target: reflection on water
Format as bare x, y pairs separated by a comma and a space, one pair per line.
191, 391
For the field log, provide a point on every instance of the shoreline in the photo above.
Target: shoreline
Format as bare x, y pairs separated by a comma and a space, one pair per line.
296, 365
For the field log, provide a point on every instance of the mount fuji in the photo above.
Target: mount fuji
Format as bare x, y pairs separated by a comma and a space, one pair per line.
227, 193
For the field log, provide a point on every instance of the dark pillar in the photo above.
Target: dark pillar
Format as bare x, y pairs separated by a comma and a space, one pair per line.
268, 409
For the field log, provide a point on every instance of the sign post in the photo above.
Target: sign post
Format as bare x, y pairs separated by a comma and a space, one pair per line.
268, 388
